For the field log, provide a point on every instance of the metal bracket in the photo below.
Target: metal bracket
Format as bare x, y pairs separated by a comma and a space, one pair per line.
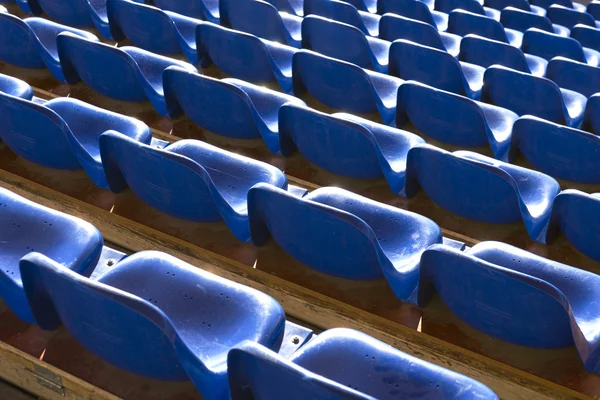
48, 379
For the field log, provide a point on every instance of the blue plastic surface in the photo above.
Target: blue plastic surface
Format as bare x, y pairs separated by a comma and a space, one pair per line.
481, 188
455, 119
565, 3
527, 94
343, 234
588, 37
569, 17
447, 6
551, 305
462, 23
573, 75
591, 118
549, 45
200, 9
15, 87
132, 318
188, 179
344, 12
343, 364
520, 20
415, 9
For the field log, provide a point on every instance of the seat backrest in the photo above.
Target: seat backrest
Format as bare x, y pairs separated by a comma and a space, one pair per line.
486, 52
17, 44
502, 4
253, 16
448, 6
548, 45
520, 20
580, 77
587, 36
413, 9
76, 14
392, 27
569, 17
463, 23
334, 9
547, 3
184, 7
593, 8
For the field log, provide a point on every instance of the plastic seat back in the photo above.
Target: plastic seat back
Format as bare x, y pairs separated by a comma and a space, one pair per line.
548, 45
448, 6
502, 4
333, 9
463, 23
593, 8
486, 52
522, 20
413, 9
547, 3
573, 75
16, 31
587, 36
569, 17
15, 87
253, 16
75, 14
392, 27
188, 8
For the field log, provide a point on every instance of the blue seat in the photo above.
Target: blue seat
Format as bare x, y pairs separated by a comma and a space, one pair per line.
319, 370
447, 6
246, 56
564, 153
593, 8
188, 179
364, 5
527, 94
575, 215
392, 27
520, 20
462, 23
227, 107
344, 12
546, 4
207, 10
262, 19
134, 74
412, 61
27, 227
569, 17
31, 43
153, 29
586, 35
591, 118
455, 119
487, 52
518, 4
481, 188
345, 42
28, 6
15, 87
294, 7
573, 75
155, 315
346, 145
548, 45
342, 85
340, 233
516, 296
63, 133
414, 9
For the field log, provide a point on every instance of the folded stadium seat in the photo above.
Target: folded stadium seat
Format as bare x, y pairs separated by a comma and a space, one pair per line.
294, 7
546, 4
412, 61
455, 119
447, 6
593, 8
26, 227
346, 145
519, 4
516, 296
345, 42
591, 118
392, 27
188, 179
344, 12
520, 20
31, 42
246, 56
207, 10
63, 133
340, 233
153, 29
262, 19
342, 85
487, 52
575, 215
211, 102
344, 364
155, 315
564, 153
573, 75
569, 17
549, 45
587, 36
15, 87
462, 23
527, 94
414, 9
134, 74
482, 188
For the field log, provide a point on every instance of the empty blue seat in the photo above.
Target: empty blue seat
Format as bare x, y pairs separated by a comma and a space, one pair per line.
474, 6
344, 364
15, 87
228, 107
63, 133
576, 215
569, 17
31, 43
207, 10
153, 29
262, 19
591, 118
342, 85
487, 52
455, 119
415, 9
462, 23
29, 6
345, 42
519, 4
548, 45
246, 56
559, 151
344, 12
565, 3
124, 73
412, 61
517, 296
155, 315
481, 188
527, 94
586, 35
27, 227
520, 20
188, 179
294, 7
593, 8
343, 234
364, 5
573, 75
392, 27
346, 145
